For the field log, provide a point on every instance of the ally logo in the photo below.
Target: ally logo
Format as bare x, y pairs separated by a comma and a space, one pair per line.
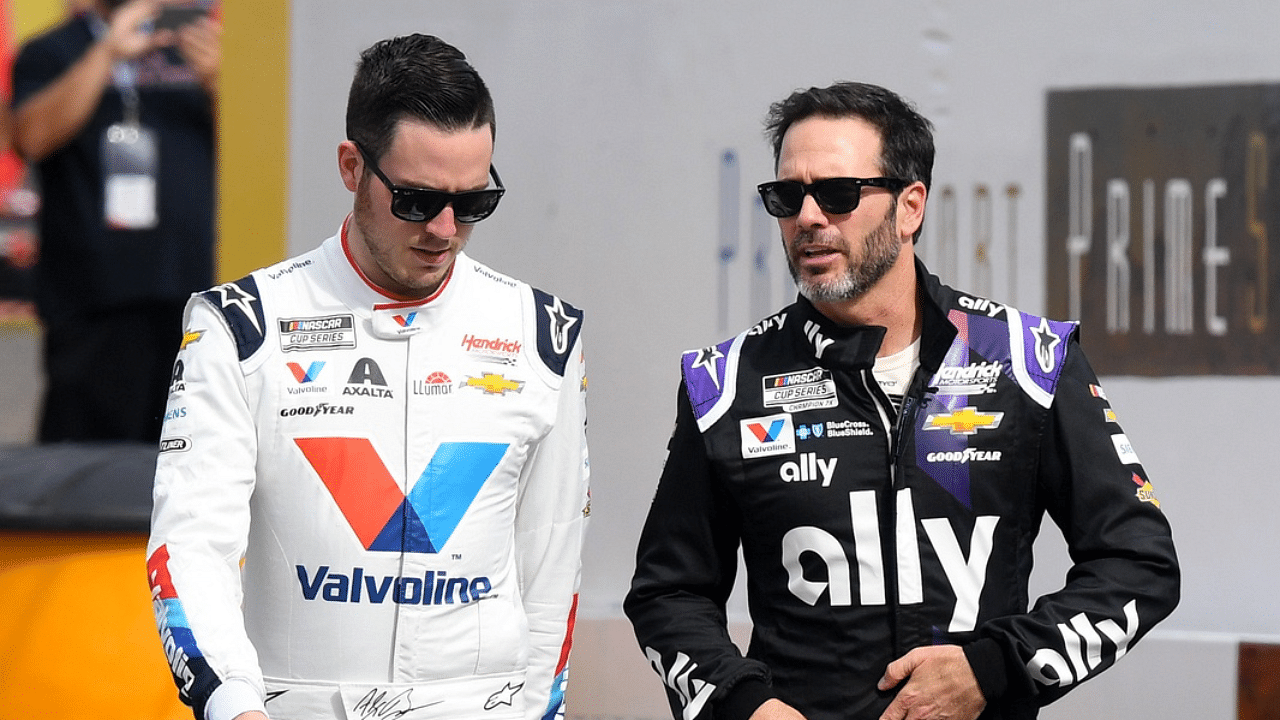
385, 519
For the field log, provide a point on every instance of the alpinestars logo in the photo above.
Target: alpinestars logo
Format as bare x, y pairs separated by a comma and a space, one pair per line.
385, 519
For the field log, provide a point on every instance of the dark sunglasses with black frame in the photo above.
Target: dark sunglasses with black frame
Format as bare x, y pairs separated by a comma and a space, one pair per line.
838, 195
421, 204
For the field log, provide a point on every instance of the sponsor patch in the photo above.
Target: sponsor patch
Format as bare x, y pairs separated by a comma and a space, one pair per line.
1146, 493
437, 383
765, 436
317, 409
965, 456
177, 384
973, 379
366, 380
189, 337
320, 333
493, 384
175, 444
1110, 415
1096, 391
834, 429
965, 421
1125, 450
497, 350
804, 390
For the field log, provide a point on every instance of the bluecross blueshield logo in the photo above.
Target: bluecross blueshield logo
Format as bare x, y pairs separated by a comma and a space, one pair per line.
384, 518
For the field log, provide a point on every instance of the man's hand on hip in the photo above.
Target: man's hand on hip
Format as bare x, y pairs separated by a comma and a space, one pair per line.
939, 686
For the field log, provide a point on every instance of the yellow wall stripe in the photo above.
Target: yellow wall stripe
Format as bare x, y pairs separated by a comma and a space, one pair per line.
253, 137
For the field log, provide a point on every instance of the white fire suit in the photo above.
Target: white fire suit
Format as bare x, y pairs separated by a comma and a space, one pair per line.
370, 508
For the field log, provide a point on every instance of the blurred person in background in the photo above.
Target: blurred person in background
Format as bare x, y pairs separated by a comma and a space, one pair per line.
114, 110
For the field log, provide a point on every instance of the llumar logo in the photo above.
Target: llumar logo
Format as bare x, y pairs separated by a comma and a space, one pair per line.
385, 519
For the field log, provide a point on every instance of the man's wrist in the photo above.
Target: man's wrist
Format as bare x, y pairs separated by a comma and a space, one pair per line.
986, 660
744, 698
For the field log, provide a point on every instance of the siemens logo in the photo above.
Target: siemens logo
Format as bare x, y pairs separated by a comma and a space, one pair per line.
433, 588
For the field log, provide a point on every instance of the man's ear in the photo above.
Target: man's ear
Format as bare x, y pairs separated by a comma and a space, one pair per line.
350, 164
911, 203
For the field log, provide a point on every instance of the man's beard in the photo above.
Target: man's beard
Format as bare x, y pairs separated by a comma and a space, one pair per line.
880, 250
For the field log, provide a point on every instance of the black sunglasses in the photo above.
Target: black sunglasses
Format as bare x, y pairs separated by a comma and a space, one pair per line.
839, 195
420, 204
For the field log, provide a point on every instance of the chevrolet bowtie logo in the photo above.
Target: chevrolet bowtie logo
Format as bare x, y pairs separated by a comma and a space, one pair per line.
494, 384
965, 421
189, 337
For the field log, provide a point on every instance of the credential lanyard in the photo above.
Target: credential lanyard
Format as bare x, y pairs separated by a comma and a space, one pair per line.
130, 155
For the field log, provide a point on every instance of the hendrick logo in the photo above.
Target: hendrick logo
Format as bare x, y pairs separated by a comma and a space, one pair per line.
493, 349
973, 379
322, 333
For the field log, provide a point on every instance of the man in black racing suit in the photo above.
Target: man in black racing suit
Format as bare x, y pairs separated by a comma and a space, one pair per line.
883, 451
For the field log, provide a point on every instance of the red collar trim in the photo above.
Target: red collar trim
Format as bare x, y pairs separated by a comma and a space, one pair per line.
401, 300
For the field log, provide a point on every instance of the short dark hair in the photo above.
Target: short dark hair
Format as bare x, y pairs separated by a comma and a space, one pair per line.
417, 77
906, 137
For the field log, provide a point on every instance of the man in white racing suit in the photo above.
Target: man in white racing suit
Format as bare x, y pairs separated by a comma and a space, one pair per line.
373, 485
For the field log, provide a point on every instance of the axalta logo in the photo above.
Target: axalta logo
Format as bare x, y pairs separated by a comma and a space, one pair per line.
965, 421
973, 379
435, 587
964, 456
176, 383
981, 305
493, 384
808, 468
437, 383
317, 409
772, 435
366, 380
385, 519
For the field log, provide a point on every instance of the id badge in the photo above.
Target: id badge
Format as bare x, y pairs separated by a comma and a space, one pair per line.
130, 163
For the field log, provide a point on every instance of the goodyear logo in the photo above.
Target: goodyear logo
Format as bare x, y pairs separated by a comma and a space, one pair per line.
965, 421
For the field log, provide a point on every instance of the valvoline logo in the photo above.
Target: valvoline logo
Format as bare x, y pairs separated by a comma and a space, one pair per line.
405, 320
765, 436
385, 519
307, 375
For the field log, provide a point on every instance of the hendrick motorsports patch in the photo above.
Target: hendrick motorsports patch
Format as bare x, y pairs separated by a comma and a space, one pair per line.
321, 333
804, 390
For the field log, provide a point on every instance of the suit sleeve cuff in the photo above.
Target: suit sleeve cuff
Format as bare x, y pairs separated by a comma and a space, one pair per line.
231, 698
745, 698
986, 660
